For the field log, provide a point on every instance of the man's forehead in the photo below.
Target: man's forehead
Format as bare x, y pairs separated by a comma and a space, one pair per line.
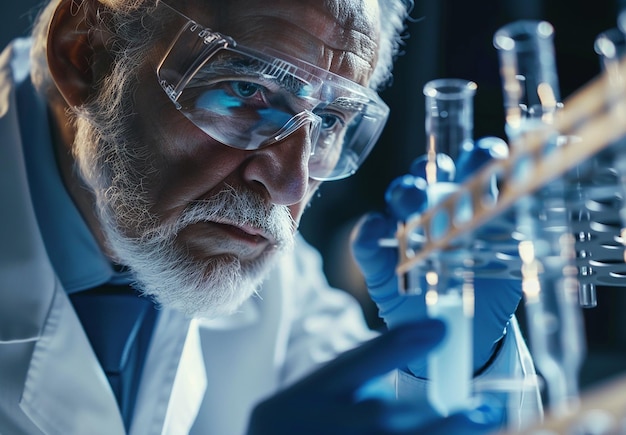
341, 35
342, 10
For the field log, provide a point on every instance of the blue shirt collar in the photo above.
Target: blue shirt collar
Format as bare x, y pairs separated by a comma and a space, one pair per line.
73, 250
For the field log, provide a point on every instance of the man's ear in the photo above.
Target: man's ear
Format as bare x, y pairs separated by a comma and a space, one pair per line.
76, 50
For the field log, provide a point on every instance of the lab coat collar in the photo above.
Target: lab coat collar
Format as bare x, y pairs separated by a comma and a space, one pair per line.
66, 391
64, 376
171, 407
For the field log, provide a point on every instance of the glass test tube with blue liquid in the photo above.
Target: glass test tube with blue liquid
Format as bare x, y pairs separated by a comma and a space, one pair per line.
449, 280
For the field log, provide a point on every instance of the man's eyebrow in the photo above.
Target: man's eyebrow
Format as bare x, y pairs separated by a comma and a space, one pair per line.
279, 72
350, 104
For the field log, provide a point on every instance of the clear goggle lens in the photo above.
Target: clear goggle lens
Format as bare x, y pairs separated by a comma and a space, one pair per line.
248, 99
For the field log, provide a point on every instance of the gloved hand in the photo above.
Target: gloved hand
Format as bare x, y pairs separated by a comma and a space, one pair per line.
328, 401
495, 299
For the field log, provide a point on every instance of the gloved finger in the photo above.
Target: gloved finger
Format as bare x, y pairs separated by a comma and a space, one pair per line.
395, 417
393, 349
345, 418
497, 297
377, 263
373, 417
406, 196
483, 151
496, 300
401, 417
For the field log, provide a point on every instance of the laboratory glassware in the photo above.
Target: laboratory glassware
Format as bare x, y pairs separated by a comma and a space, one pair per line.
546, 243
449, 277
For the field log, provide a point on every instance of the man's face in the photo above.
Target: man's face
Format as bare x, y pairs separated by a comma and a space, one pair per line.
200, 222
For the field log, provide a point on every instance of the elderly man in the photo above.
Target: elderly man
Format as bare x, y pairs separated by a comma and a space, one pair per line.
160, 155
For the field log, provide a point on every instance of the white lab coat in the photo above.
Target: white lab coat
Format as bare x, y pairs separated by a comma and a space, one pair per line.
201, 377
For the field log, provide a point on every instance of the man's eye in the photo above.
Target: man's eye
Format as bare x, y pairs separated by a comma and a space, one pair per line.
246, 89
330, 122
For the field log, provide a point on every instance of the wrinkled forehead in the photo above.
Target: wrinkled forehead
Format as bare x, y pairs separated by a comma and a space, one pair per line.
337, 35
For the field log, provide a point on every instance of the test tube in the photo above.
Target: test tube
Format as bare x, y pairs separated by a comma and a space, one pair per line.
528, 72
450, 292
546, 243
449, 115
449, 297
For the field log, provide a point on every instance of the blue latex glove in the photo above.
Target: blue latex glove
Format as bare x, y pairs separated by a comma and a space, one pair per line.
327, 401
495, 299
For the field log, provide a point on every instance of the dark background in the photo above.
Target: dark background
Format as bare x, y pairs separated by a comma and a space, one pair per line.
448, 38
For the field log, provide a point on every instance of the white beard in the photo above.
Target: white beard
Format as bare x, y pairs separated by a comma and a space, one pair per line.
214, 286
114, 164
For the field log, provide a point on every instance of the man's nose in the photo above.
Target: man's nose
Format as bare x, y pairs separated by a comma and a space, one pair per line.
282, 168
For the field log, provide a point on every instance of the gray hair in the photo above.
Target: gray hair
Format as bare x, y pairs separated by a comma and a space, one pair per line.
393, 16
131, 33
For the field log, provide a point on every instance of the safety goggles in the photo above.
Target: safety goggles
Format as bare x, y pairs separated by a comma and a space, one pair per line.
249, 99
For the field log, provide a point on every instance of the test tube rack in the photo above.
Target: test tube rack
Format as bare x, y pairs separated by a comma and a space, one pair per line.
593, 120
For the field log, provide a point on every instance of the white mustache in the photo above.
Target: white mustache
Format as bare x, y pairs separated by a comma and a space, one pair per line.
241, 208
